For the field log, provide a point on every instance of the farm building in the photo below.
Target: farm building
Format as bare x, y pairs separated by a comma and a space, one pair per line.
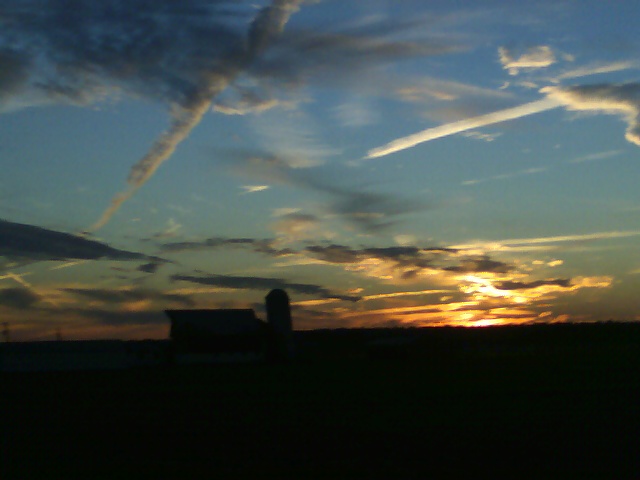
233, 335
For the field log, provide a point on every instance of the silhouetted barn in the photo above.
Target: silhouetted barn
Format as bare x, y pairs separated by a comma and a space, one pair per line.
233, 335
222, 335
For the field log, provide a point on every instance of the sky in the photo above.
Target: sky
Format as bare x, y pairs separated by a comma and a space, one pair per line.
387, 163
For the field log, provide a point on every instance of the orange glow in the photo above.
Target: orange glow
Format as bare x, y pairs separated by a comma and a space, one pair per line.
486, 322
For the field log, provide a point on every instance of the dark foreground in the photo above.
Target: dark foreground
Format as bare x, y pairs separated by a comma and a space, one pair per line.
456, 404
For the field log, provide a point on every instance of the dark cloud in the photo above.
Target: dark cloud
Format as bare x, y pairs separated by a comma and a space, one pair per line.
410, 259
262, 283
152, 48
334, 253
340, 55
258, 245
183, 54
29, 242
120, 296
18, 297
511, 285
208, 243
480, 264
370, 211
151, 267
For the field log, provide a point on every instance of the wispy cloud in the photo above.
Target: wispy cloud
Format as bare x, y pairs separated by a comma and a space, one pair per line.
264, 246
254, 188
128, 296
506, 176
533, 58
593, 157
498, 245
366, 210
596, 69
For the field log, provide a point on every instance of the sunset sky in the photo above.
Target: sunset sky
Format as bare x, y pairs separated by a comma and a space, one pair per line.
388, 163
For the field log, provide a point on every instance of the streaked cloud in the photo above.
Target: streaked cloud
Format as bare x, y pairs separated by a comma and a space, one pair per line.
498, 245
597, 69
18, 240
473, 123
128, 296
263, 284
506, 176
593, 157
264, 246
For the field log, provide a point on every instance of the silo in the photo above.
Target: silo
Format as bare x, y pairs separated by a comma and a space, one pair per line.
279, 319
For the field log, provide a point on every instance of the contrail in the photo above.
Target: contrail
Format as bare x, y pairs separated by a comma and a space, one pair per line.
267, 24
462, 126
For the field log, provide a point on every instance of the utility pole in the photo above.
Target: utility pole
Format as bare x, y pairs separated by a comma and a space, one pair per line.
5, 332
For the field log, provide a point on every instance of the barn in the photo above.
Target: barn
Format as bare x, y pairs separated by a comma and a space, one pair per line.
233, 335
217, 336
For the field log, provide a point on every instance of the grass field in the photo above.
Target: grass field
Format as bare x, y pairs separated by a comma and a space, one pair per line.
498, 403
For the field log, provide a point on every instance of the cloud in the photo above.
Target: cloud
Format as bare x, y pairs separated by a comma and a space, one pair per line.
480, 264
512, 285
499, 245
612, 99
183, 54
446, 90
506, 176
33, 243
403, 263
592, 157
534, 58
342, 54
267, 247
130, 295
465, 125
262, 283
18, 297
295, 226
246, 101
170, 231
254, 188
365, 210
596, 69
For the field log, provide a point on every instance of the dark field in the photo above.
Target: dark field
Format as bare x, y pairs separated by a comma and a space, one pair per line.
525, 402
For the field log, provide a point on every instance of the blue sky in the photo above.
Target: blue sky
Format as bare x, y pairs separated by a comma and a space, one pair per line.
387, 163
